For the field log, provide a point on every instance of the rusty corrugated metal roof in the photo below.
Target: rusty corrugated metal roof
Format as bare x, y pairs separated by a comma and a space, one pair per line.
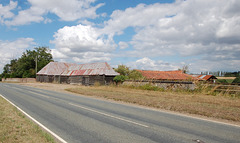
206, 77
54, 68
166, 75
90, 69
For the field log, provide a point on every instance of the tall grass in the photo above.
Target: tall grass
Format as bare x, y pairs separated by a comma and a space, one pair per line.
202, 88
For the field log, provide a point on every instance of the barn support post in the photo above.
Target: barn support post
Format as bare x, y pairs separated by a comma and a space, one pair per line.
104, 79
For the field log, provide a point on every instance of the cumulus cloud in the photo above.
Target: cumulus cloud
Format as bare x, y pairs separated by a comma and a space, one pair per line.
149, 64
206, 29
69, 10
33, 14
123, 45
13, 49
5, 11
82, 44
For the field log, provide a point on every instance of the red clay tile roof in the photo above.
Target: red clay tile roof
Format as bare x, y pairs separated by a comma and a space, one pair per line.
166, 75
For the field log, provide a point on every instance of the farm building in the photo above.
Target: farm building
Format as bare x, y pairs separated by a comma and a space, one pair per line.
52, 71
166, 75
210, 78
85, 74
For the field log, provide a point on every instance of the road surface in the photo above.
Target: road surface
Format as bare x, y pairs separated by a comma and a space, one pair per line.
85, 119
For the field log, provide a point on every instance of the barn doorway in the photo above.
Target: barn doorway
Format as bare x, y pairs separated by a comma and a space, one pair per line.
85, 80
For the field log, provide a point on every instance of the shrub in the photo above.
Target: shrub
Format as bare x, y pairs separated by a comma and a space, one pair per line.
119, 78
236, 80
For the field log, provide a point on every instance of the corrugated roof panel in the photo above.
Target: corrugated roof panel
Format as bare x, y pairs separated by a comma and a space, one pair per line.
205, 77
90, 69
54, 68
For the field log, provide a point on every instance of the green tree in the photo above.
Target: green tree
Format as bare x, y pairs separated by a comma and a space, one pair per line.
25, 66
126, 73
43, 57
123, 70
135, 75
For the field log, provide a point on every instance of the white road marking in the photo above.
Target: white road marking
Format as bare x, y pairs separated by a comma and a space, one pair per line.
41, 125
108, 115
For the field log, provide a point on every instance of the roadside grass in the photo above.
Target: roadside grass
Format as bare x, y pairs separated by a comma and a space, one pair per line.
203, 101
15, 127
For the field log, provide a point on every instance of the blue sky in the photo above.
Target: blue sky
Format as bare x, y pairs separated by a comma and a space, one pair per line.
142, 34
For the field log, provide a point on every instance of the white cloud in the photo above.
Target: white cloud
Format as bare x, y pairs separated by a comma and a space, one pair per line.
206, 29
83, 44
5, 11
69, 10
90, 57
139, 16
13, 49
123, 45
33, 14
149, 64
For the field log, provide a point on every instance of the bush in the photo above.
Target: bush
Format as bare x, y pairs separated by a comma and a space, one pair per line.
119, 78
236, 80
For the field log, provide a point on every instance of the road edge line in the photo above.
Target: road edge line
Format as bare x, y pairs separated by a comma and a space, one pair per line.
41, 125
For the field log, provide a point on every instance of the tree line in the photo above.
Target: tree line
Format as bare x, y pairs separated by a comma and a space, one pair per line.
28, 64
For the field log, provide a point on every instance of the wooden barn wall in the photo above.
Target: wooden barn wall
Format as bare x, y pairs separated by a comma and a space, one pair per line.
42, 78
82, 80
64, 79
45, 78
109, 79
93, 79
75, 79
56, 79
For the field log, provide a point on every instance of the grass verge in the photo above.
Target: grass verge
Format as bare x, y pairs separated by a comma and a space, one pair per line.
217, 106
15, 127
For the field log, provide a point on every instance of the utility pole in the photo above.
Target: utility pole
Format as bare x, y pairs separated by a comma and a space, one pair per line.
36, 65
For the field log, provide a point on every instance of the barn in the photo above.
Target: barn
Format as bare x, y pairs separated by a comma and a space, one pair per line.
209, 78
52, 71
84, 74
89, 74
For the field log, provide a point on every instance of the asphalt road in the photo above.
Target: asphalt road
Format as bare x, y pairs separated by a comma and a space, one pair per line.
84, 119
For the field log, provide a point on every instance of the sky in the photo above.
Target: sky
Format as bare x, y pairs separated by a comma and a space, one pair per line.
141, 34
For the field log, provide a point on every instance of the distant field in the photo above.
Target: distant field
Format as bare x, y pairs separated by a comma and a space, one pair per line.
15, 127
220, 107
225, 80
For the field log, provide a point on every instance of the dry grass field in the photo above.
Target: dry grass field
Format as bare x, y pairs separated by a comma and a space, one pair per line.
15, 127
